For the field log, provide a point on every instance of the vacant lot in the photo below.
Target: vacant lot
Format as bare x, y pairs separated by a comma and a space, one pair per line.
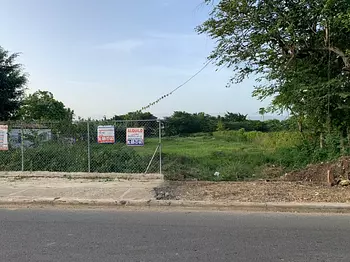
231, 155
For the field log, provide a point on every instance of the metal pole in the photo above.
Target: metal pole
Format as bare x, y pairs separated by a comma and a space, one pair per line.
88, 144
150, 162
160, 147
22, 148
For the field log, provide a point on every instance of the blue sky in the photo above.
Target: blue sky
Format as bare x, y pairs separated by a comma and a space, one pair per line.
107, 57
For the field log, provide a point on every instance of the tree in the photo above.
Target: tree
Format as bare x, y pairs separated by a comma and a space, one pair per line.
301, 49
42, 106
262, 112
12, 84
220, 125
135, 116
235, 117
184, 123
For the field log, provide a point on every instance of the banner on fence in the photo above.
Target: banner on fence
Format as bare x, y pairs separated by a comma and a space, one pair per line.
4, 138
105, 135
135, 137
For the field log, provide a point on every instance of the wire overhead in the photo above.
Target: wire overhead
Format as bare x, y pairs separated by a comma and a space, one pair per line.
177, 88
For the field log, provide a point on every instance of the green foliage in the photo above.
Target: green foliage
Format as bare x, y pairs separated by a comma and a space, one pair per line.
42, 106
298, 49
183, 123
234, 117
220, 125
249, 125
267, 140
12, 85
135, 116
236, 155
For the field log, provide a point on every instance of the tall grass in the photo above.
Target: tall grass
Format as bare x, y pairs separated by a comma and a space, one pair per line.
235, 155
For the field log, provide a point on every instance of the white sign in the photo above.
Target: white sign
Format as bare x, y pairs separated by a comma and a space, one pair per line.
135, 137
105, 135
4, 145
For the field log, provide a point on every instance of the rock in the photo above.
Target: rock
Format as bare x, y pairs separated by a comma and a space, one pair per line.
159, 197
344, 182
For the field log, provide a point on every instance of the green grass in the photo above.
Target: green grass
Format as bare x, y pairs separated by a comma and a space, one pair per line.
236, 155
201, 157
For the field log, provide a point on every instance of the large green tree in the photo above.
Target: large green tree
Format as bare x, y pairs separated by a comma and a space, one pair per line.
12, 84
42, 106
298, 49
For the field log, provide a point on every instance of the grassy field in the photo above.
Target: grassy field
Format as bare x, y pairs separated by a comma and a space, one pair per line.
236, 155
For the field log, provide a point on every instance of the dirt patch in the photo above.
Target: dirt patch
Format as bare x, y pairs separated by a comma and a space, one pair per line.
323, 173
261, 191
316, 183
272, 171
170, 192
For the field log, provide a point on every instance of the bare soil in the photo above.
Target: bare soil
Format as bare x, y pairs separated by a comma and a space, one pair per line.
316, 183
319, 173
261, 191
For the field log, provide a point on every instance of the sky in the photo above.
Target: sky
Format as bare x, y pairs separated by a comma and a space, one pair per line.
110, 57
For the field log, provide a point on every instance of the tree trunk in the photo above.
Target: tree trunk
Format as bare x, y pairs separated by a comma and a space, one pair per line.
342, 146
300, 126
343, 135
321, 140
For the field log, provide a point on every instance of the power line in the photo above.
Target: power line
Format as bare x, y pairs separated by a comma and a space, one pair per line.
177, 88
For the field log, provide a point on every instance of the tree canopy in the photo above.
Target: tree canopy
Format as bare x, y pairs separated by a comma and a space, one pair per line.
12, 84
299, 51
42, 106
135, 116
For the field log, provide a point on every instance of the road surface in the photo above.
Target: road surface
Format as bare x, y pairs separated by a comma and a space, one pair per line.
96, 235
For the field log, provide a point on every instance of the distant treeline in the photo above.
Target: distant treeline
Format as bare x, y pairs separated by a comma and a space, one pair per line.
184, 123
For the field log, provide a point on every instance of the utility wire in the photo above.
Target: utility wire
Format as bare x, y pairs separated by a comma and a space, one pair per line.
177, 88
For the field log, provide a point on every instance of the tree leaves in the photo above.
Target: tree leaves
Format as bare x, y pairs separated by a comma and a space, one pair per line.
42, 106
12, 84
299, 51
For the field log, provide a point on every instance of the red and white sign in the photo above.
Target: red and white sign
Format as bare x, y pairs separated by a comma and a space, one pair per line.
135, 137
4, 138
105, 135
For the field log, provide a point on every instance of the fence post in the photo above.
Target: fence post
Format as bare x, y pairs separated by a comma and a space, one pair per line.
22, 148
160, 146
88, 145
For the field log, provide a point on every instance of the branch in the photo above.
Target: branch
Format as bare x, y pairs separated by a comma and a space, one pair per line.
340, 53
335, 50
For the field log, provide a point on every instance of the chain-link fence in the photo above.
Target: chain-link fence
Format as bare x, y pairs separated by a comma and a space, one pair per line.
84, 146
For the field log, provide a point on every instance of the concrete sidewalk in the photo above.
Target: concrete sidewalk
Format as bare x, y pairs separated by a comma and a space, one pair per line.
72, 190
113, 193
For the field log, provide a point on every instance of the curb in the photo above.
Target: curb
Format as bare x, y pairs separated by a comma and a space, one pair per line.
179, 204
80, 175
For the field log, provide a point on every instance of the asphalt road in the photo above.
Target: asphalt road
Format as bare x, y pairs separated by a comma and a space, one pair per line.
60, 235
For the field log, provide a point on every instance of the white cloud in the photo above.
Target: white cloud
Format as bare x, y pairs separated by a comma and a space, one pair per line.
125, 46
